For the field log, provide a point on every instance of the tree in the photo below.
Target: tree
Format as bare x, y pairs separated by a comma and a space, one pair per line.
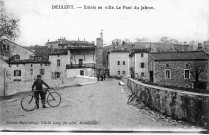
9, 26
164, 40
196, 70
141, 39
127, 40
173, 41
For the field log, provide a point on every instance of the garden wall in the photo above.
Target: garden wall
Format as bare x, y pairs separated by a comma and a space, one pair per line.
16, 87
188, 106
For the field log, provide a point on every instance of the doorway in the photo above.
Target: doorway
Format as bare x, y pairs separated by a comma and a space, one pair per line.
151, 76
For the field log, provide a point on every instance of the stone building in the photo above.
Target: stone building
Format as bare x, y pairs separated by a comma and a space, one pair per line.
75, 58
116, 43
4, 75
28, 69
99, 56
118, 63
11, 50
179, 68
55, 44
139, 62
59, 58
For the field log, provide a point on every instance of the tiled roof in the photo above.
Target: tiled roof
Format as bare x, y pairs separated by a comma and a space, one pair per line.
59, 52
162, 47
139, 51
42, 51
9, 42
119, 50
173, 56
57, 42
33, 60
80, 45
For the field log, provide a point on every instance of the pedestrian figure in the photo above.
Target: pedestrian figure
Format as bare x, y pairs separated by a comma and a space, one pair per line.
39, 91
97, 77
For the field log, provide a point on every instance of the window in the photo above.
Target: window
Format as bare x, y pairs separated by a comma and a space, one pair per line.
142, 74
142, 55
17, 73
31, 65
142, 65
58, 63
124, 72
167, 74
118, 62
124, 63
186, 74
57, 74
118, 72
167, 65
17, 80
81, 72
31, 71
16, 57
41, 71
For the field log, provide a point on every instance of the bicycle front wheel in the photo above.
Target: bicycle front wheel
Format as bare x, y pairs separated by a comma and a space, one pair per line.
53, 99
28, 103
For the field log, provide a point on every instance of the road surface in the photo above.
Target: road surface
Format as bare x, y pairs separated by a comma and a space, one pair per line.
98, 106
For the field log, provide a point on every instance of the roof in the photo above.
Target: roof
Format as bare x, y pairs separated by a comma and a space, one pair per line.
80, 45
58, 52
139, 51
162, 47
6, 41
33, 60
42, 51
174, 56
119, 50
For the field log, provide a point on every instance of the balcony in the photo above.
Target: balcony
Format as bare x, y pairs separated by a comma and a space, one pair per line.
88, 65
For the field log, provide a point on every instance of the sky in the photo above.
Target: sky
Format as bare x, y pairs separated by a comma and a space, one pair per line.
184, 20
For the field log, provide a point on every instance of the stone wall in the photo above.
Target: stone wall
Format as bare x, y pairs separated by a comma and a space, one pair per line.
16, 87
177, 72
181, 105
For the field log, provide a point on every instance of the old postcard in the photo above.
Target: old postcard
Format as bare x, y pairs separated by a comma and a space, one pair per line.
107, 66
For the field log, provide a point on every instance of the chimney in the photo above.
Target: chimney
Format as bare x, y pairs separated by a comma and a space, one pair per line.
78, 38
48, 40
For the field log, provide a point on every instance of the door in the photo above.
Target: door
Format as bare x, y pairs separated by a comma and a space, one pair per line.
80, 62
151, 76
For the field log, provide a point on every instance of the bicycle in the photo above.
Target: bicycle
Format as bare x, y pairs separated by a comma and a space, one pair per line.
28, 103
144, 96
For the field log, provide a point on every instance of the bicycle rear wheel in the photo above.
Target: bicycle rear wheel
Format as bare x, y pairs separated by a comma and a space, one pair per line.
28, 103
53, 99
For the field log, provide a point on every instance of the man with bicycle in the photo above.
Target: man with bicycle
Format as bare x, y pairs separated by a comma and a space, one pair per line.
39, 91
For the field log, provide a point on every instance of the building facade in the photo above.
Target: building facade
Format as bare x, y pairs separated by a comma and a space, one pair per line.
118, 63
180, 69
82, 60
59, 59
99, 56
15, 51
139, 58
27, 70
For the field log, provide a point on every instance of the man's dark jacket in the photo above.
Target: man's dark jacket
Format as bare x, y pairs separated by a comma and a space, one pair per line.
39, 84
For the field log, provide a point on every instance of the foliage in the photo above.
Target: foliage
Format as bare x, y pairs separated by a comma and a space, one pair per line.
166, 40
9, 26
196, 70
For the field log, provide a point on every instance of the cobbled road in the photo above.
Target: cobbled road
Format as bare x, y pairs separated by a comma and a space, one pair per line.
99, 106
